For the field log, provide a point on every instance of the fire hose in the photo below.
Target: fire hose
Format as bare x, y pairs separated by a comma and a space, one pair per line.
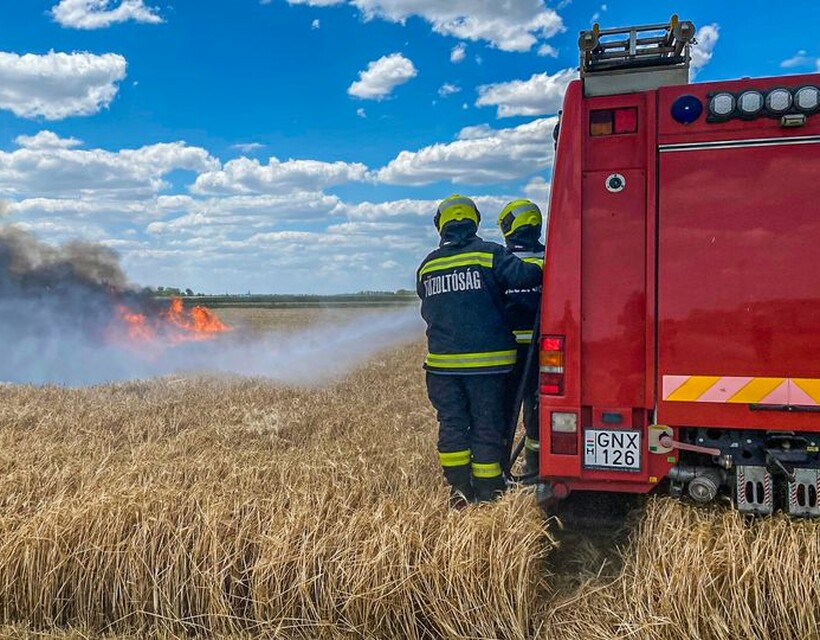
530, 370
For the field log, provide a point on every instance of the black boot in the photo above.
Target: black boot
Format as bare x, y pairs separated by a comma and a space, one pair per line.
531, 463
488, 489
461, 487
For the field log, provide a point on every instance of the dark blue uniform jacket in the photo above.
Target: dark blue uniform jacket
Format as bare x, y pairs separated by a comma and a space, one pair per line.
462, 285
522, 302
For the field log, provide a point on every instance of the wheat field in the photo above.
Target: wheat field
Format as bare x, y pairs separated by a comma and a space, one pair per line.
239, 508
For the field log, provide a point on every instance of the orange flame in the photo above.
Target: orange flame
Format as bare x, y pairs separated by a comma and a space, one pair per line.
175, 324
137, 324
199, 323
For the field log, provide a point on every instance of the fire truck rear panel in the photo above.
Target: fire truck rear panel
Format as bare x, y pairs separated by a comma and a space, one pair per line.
682, 277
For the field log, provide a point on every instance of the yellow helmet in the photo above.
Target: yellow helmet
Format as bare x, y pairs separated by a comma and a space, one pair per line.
517, 214
456, 207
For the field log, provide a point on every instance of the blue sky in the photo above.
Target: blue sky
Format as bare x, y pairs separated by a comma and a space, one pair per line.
302, 145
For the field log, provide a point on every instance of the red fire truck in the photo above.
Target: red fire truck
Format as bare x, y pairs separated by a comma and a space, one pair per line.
680, 325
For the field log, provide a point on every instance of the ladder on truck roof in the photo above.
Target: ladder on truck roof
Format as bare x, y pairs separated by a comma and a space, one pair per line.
630, 59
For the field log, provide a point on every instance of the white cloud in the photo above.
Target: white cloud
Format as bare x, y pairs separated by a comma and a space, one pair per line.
248, 147
547, 51
476, 132
538, 190
448, 89
481, 155
361, 112
315, 24
234, 243
542, 94
405, 210
248, 176
64, 230
46, 140
58, 85
241, 215
82, 211
98, 14
800, 59
46, 165
511, 26
458, 53
706, 37
382, 76
237, 242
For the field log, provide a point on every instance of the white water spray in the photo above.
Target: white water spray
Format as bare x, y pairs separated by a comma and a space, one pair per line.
57, 306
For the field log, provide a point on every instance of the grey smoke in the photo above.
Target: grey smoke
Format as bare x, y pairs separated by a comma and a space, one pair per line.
58, 314
25, 257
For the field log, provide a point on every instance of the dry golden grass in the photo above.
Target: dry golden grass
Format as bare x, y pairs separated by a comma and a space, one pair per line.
292, 319
703, 573
236, 508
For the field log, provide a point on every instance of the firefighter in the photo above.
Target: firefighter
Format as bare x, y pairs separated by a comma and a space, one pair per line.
520, 223
470, 347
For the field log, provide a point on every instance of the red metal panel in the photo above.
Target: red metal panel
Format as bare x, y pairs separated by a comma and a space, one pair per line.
616, 151
739, 293
600, 307
613, 326
736, 293
561, 301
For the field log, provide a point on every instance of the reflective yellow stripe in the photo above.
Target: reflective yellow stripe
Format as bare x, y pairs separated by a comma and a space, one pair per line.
810, 386
471, 360
454, 459
472, 258
742, 390
692, 389
532, 444
523, 337
756, 390
524, 208
491, 470
538, 261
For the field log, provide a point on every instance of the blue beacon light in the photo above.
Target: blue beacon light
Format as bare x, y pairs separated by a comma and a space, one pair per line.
687, 109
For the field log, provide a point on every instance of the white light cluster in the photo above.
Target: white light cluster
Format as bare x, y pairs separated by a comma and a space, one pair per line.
807, 98
779, 101
722, 104
776, 102
750, 102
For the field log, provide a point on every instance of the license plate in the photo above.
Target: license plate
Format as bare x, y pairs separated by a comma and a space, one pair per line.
612, 449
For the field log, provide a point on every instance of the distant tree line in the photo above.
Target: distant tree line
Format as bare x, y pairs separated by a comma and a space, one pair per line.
174, 292
361, 298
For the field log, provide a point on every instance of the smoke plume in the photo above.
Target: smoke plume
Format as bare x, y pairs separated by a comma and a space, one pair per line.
62, 321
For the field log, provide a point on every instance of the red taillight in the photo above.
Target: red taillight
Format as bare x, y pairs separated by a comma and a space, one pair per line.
552, 343
552, 384
565, 444
626, 120
552, 365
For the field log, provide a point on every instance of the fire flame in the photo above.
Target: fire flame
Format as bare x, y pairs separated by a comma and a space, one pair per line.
175, 324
